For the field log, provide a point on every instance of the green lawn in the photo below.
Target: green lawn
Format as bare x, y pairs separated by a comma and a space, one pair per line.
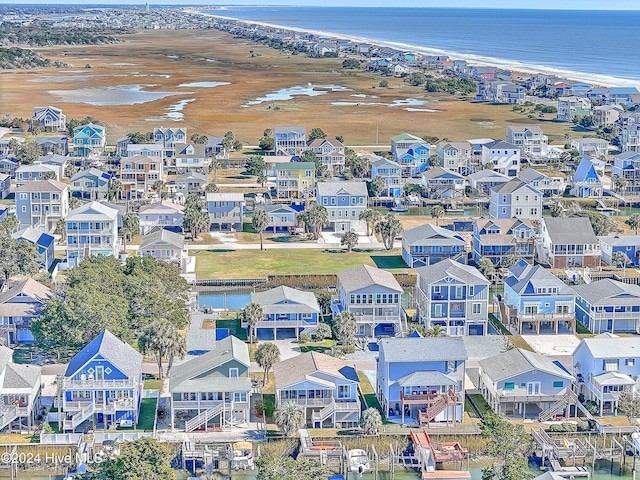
480, 403
147, 414
368, 394
317, 346
152, 384
256, 264
498, 325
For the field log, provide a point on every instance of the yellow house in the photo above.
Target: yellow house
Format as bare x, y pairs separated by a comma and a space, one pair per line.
295, 179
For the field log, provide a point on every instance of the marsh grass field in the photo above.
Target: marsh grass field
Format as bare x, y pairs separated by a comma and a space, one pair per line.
166, 60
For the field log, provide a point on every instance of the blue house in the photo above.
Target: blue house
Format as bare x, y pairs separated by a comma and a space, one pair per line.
287, 313
43, 242
226, 210
498, 239
440, 183
535, 296
627, 244
421, 380
92, 184
344, 201
429, 244
586, 182
411, 153
102, 383
608, 306
453, 296
524, 384
89, 139
391, 173
627, 166
515, 199
605, 366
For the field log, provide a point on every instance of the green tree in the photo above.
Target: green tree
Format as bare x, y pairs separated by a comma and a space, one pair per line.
435, 330
359, 166
275, 467
310, 156
267, 355
508, 443
266, 143
370, 421
29, 152
389, 228
289, 417
61, 229
437, 211
346, 327
130, 227
314, 219
316, 133
376, 186
620, 184
199, 139
70, 170
621, 259
141, 459
256, 165
600, 223
161, 340
383, 84
228, 141
196, 220
324, 300
557, 210
486, 267
371, 217
211, 188
9, 225
434, 160
158, 187
629, 404
115, 189
138, 138
634, 222
260, 222
350, 240
50, 176
251, 315
54, 332
17, 257
323, 331
215, 166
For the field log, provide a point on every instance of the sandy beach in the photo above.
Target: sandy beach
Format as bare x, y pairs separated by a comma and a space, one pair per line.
519, 68
170, 66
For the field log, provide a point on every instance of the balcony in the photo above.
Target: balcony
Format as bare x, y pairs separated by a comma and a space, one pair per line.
88, 384
201, 404
310, 402
109, 407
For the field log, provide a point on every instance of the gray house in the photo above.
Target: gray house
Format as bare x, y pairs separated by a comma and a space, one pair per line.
163, 244
519, 383
225, 210
191, 182
42, 204
213, 388
90, 184
5, 185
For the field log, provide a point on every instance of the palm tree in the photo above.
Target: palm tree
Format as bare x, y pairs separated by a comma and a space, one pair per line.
370, 217
215, 166
621, 183
74, 202
389, 227
620, 258
158, 187
199, 223
160, 339
177, 348
319, 217
634, 222
61, 229
346, 327
350, 240
486, 267
370, 421
436, 212
211, 188
130, 227
252, 314
436, 330
260, 222
557, 210
267, 355
115, 189
289, 417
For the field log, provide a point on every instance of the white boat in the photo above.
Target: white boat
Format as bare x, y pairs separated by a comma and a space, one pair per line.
242, 456
358, 461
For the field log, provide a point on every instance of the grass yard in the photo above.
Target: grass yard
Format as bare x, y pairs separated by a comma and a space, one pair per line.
255, 264
321, 347
519, 342
147, 414
480, 403
369, 396
152, 384
498, 325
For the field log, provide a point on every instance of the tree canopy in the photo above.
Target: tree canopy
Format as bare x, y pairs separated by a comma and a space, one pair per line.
102, 293
17, 257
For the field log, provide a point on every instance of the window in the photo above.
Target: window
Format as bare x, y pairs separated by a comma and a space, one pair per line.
610, 365
344, 391
508, 386
558, 384
233, 373
477, 308
630, 362
533, 388
239, 396
471, 290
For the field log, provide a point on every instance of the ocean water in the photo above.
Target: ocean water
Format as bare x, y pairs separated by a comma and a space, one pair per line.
596, 45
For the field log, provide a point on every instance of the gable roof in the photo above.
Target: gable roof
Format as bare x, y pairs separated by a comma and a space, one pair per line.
620, 240
161, 207
295, 166
449, 268
426, 378
274, 207
490, 175
609, 292
512, 186
192, 176
27, 287
364, 276
286, 295
611, 346
296, 130
500, 144
120, 354
585, 167
21, 376
91, 172
525, 279
436, 172
161, 237
570, 230
92, 211
302, 367
34, 236
518, 361
428, 234
530, 174
225, 197
430, 349
406, 137
334, 188
43, 186
318, 142
227, 349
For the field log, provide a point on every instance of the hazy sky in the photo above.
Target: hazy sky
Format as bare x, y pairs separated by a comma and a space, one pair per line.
545, 4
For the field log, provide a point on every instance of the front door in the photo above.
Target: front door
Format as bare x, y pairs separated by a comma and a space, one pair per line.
533, 388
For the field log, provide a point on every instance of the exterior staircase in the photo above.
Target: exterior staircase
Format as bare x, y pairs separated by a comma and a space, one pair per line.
334, 407
555, 408
203, 418
8, 415
79, 417
438, 406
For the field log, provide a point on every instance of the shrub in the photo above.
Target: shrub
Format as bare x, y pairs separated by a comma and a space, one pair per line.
323, 331
563, 427
304, 338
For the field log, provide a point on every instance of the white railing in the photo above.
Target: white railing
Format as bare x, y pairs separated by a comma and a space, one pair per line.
101, 384
9, 414
309, 402
79, 417
203, 418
